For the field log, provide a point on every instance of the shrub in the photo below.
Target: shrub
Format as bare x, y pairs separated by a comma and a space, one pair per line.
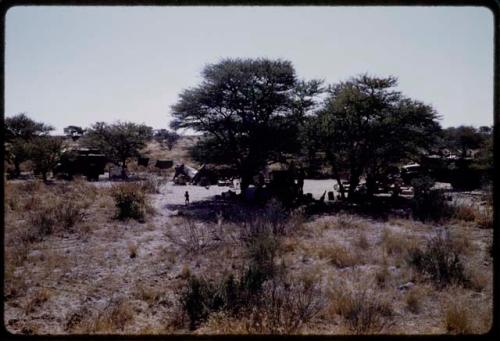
193, 237
430, 205
285, 306
52, 213
484, 217
440, 262
152, 184
197, 300
130, 201
363, 312
274, 306
115, 316
275, 215
413, 300
68, 213
43, 221
362, 241
464, 212
382, 276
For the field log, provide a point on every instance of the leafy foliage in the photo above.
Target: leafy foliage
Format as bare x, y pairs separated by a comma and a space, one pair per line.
130, 201
19, 130
118, 141
45, 153
366, 126
166, 137
440, 261
249, 111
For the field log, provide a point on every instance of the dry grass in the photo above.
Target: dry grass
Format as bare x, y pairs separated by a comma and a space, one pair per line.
362, 241
414, 298
465, 213
344, 221
363, 311
382, 276
396, 243
484, 217
479, 278
339, 255
457, 318
112, 319
37, 299
147, 293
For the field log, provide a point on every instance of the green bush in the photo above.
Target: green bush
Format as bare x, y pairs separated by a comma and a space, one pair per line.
130, 201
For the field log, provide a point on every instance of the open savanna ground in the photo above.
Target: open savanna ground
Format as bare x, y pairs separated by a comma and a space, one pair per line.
84, 257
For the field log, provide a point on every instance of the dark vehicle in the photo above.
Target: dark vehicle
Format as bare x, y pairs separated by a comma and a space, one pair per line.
87, 162
143, 161
164, 164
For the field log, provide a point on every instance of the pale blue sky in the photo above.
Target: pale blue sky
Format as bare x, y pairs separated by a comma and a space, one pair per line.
79, 65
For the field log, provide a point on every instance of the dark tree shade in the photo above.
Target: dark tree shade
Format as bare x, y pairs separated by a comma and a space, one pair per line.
249, 111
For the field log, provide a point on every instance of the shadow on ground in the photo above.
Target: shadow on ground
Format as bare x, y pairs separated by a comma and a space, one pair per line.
209, 210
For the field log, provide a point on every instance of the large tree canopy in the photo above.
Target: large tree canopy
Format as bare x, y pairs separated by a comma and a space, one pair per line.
366, 126
249, 110
118, 141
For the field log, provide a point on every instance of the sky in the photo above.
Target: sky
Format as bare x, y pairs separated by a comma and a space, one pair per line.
79, 65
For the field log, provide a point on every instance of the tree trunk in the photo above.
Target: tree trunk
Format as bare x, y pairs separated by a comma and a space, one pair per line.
245, 182
353, 183
370, 186
341, 187
17, 169
124, 169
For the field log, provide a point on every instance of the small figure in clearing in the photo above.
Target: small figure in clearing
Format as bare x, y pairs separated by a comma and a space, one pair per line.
186, 195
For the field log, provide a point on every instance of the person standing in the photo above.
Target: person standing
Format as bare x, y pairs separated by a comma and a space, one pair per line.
186, 195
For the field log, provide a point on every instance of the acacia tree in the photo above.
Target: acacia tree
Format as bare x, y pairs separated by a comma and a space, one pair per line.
165, 137
19, 131
118, 141
366, 126
463, 137
249, 111
75, 132
45, 154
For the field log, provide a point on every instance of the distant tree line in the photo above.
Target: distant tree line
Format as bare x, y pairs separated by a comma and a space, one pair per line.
28, 140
